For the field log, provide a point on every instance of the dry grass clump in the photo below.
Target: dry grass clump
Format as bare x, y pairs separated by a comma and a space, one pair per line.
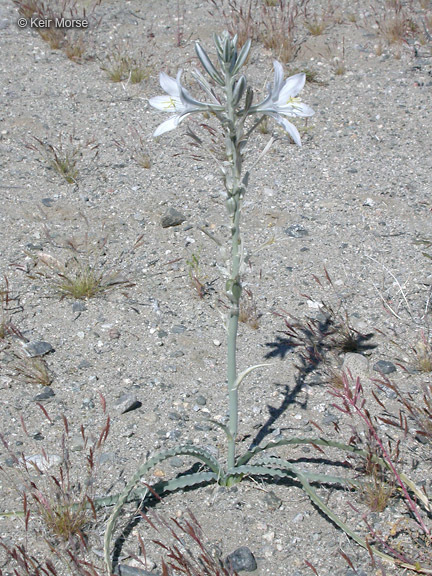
136, 147
74, 42
275, 23
64, 157
8, 305
279, 28
85, 272
32, 370
57, 505
122, 67
184, 547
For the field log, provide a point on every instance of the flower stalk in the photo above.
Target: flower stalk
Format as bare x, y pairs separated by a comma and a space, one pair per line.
232, 109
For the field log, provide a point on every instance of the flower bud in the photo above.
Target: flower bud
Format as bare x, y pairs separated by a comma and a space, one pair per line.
240, 87
207, 64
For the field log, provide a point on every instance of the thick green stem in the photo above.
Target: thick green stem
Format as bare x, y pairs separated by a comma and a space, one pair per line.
233, 289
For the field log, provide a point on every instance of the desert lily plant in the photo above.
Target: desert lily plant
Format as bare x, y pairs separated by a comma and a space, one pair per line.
230, 101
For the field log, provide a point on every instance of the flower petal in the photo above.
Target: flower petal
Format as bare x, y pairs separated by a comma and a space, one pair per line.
293, 85
278, 79
170, 85
166, 126
288, 127
166, 103
296, 109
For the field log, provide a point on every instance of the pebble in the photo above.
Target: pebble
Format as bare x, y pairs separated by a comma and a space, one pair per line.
44, 395
48, 202
44, 463
172, 218
200, 400
79, 306
272, 501
88, 403
241, 560
384, 367
178, 329
127, 402
296, 231
77, 443
356, 365
35, 348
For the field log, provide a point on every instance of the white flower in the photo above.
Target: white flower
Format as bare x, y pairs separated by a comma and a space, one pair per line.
282, 101
177, 101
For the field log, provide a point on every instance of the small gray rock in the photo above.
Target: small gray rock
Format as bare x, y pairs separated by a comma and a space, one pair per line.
240, 560
48, 202
178, 329
200, 400
36, 348
79, 306
271, 500
127, 402
43, 462
356, 365
172, 218
384, 367
77, 443
44, 395
296, 231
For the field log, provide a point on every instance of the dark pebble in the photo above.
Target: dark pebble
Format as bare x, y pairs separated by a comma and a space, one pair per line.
48, 202
79, 307
127, 403
36, 348
296, 231
272, 501
241, 560
44, 395
172, 218
200, 400
384, 367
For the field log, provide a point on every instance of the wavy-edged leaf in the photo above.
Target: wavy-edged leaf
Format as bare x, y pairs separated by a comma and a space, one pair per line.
304, 480
311, 476
200, 453
296, 442
361, 541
